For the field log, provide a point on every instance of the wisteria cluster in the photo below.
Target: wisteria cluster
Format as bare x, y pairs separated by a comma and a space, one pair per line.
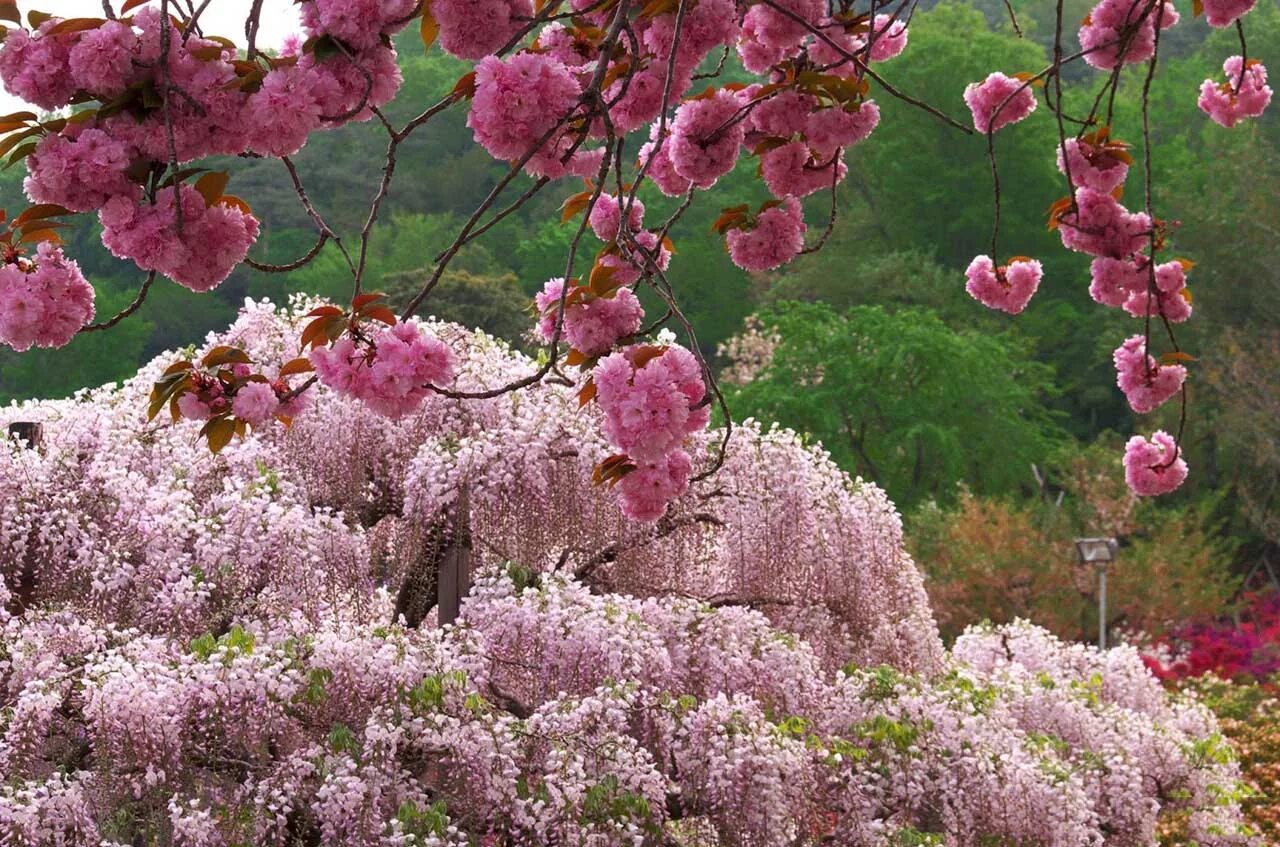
214, 651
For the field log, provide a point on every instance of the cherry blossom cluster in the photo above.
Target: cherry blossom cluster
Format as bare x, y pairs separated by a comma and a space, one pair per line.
1125, 272
155, 109
1245, 94
44, 299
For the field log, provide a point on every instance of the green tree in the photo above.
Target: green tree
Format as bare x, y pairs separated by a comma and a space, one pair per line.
904, 400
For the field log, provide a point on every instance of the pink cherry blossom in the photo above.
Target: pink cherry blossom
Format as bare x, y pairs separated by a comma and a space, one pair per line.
517, 102
1110, 28
44, 302
359, 24
774, 238
1008, 288
999, 101
889, 36
606, 216
706, 137
80, 172
473, 29
1145, 383
394, 374
658, 167
1240, 97
790, 170
649, 410
36, 67
1100, 226
645, 492
1223, 13
255, 403
1154, 467
591, 326
102, 61
1092, 166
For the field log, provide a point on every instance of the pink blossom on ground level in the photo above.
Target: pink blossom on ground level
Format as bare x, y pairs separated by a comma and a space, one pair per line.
1145, 383
1008, 288
1150, 467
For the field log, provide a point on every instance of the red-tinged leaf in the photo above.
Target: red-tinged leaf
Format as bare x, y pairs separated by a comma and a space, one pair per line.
669, 244
616, 71
212, 185
324, 310
218, 432
11, 141
9, 12
588, 392
465, 88
208, 53
654, 8
234, 202
1015, 259
320, 330
430, 29
38, 235
1176, 356
1197, 8
363, 300
225, 355
130, 5
19, 116
286, 420
296, 366
647, 354
40, 211
542, 4
1118, 193
576, 357
380, 313
21, 153
574, 204
601, 281
71, 25
1187, 264
168, 388
37, 19
175, 411
1186, 294
1059, 208
730, 218
241, 427
178, 367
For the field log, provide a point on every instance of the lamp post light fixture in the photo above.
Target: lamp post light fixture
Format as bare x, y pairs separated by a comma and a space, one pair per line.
1101, 554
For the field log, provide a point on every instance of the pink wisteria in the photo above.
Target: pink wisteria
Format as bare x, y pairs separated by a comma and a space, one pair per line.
223, 654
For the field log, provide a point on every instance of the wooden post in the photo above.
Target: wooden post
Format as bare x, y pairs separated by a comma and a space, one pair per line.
455, 565
28, 434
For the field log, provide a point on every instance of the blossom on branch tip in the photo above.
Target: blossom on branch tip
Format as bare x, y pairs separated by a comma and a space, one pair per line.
1008, 288
1146, 383
1154, 467
1242, 96
774, 237
999, 101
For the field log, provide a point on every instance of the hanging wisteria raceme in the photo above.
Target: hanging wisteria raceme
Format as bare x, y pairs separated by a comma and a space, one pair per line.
220, 649
555, 89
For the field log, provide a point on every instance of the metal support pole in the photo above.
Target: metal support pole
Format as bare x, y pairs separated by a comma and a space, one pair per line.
1102, 608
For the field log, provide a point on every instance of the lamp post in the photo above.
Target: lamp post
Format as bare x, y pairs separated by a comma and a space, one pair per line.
1100, 553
